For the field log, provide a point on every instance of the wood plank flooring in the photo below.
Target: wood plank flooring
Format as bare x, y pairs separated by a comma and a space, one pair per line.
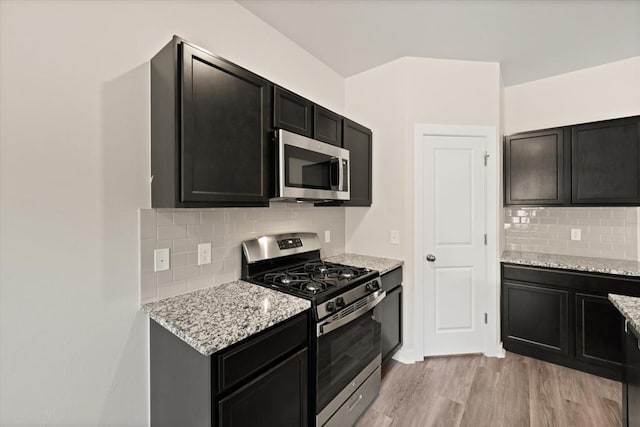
474, 390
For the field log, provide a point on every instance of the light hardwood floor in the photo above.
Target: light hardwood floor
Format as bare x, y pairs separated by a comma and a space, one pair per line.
478, 391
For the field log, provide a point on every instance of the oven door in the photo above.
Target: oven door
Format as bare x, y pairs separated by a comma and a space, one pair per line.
311, 169
346, 347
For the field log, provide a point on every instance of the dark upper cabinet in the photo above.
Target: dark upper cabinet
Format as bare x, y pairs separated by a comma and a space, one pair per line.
597, 321
536, 168
209, 131
606, 162
327, 126
292, 112
358, 140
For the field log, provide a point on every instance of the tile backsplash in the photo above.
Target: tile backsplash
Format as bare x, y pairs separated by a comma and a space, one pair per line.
181, 230
610, 232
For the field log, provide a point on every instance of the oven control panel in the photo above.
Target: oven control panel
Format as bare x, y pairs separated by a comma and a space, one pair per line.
336, 304
290, 243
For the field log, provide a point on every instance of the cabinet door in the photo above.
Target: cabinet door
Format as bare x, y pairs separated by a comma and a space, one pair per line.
535, 168
276, 398
535, 317
389, 313
225, 117
606, 162
358, 139
292, 112
327, 126
597, 324
631, 386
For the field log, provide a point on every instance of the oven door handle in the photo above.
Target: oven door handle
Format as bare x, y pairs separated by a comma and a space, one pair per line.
325, 328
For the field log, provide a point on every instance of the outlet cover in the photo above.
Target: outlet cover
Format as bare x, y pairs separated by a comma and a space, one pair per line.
161, 260
204, 253
576, 234
327, 236
394, 237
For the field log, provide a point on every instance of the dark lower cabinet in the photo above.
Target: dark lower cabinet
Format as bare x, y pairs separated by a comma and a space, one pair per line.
631, 385
597, 322
522, 303
389, 314
276, 398
565, 317
210, 130
260, 381
358, 140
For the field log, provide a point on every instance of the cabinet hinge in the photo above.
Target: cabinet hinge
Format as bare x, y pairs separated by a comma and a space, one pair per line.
486, 158
486, 318
486, 239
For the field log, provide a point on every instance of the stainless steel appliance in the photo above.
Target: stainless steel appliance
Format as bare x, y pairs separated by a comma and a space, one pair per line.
345, 351
308, 169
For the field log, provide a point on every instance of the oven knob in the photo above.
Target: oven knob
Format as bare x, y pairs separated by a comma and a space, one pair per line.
331, 307
339, 302
373, 286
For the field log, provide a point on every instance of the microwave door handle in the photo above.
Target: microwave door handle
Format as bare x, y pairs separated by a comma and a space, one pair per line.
334, 165
325, 328
340, 175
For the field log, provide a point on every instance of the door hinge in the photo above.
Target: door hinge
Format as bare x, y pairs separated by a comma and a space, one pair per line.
486, 318
486, 158
486, 239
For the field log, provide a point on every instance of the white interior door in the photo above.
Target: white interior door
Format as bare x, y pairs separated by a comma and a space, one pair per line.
454, 244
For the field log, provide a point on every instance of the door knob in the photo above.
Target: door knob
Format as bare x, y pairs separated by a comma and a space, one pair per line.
431, 258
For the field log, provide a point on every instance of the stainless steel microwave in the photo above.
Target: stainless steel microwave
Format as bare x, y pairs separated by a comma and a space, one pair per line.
308, 169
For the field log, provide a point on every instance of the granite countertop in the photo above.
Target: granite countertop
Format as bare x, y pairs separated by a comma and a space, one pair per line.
214, 318
383, 265
629, 307
569, 262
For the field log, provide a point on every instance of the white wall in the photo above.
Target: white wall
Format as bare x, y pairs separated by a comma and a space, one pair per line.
74, 135
391, 99
598, 93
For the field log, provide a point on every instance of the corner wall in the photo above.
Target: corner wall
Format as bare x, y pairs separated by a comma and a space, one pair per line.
391, 99
74, 170
598, 93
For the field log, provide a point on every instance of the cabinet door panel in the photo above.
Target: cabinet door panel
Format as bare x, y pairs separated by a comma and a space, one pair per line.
631, 386
606, 162
535, 168
277, 398
224, 131
292, 112
327, 126
357, 139
536, 316
389, 313
597, 326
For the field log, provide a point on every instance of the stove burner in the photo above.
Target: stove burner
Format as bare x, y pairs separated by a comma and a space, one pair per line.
313, 287
346, 274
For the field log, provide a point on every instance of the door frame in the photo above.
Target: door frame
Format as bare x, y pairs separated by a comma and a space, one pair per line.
492, 345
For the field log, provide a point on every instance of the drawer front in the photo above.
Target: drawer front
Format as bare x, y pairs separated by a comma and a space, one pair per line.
355, 406
251, 357
392, 279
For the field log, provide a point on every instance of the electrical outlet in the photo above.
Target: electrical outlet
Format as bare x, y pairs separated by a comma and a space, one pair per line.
576, 234
394, 237
161, 260
204, 253
327, 236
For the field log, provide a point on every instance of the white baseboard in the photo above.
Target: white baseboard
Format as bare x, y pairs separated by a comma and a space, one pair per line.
405, 355
498, 352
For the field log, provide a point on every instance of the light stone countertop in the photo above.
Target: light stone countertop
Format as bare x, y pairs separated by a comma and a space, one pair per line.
577, 263
383, 265
214, 318
629, 307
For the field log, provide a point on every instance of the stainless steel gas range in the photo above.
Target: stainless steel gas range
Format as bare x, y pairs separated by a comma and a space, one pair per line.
345, 349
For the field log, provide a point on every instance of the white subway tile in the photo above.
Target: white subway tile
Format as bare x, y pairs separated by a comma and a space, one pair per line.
172, 231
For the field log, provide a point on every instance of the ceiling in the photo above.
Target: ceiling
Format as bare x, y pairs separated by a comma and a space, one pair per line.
531, 39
